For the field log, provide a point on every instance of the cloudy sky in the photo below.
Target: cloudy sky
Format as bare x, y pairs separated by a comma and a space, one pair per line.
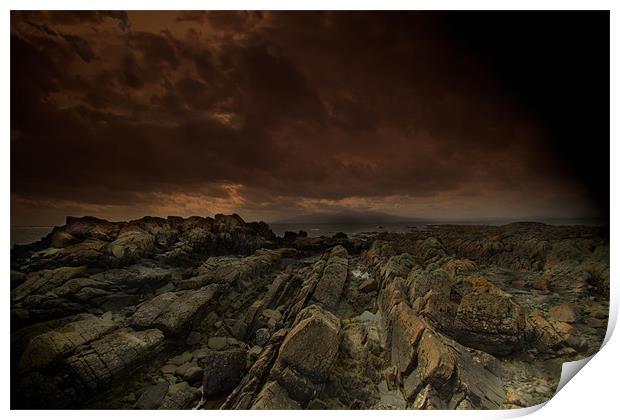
270, 115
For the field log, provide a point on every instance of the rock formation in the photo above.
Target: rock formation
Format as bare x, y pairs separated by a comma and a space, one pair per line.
218, 313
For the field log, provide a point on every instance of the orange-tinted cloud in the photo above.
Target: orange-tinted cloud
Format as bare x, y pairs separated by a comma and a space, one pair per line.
268, 114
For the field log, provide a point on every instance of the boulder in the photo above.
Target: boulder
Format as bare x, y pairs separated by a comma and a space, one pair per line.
435, 362
132, 243
422, 282
312, 344
217, 343
541, 333
261, 336
89, 227
190, 372
564, 313
222, 371
490, 322
454, 376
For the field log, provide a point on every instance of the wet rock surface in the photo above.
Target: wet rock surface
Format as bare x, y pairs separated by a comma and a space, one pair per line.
207, 313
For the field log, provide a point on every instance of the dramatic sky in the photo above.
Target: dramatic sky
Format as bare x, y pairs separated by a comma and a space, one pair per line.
442, 115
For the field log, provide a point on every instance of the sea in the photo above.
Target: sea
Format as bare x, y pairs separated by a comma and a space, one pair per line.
22, 235
329, 229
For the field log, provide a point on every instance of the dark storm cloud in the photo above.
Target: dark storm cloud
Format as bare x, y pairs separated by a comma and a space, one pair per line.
267, 111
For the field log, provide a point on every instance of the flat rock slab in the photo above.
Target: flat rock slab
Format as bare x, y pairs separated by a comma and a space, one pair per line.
113, 356
40, 282
237, 271
171, 312
49, 347
329, 287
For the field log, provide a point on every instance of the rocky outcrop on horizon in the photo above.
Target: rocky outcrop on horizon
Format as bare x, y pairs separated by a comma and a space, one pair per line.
219, 313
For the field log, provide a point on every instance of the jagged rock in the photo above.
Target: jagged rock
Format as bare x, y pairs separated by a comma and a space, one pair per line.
222, 371
368, 285
407, 330
132, 243
428, 399
456, 267
542, 333
89, 227
437, 281
435, 362
274, 397
438, 290
398, 266
438, 308
455, 374
298, 386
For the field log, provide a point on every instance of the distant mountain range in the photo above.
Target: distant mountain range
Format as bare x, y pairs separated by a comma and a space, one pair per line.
349, 217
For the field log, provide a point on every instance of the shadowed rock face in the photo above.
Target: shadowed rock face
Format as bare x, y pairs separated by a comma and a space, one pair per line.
49, 347
193, 313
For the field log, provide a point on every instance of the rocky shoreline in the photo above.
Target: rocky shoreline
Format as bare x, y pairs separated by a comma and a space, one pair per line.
208, 313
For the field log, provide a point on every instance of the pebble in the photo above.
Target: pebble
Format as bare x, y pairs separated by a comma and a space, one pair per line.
168, 369
218, 343
262, 336
180, 359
